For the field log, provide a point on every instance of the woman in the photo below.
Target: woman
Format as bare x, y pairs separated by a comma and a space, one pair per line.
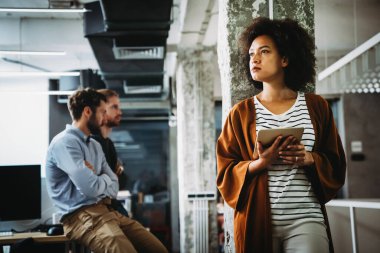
280, 208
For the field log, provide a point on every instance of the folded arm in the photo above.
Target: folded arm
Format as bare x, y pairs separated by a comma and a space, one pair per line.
71, 161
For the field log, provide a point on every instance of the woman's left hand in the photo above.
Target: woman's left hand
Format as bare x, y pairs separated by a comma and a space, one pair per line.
296, 154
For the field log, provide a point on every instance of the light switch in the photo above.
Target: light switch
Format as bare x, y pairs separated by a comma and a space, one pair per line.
356, 147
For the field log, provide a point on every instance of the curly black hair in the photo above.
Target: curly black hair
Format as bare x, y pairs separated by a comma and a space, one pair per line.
292, 42
82, 98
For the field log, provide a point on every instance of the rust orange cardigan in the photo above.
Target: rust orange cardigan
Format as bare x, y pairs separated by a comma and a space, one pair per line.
248, 194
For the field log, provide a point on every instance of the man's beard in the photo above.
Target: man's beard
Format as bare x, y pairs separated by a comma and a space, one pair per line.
113, 123
92, 125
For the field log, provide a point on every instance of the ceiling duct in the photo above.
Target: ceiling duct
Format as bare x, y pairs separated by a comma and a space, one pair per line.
138, 53
87, 78
65, 4
153, 87
128, 39
128, 89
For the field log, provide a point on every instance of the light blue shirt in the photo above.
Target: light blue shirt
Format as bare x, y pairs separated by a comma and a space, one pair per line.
70, 183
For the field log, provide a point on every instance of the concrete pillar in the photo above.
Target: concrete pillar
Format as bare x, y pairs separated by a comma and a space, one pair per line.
173, 175
196, 146
234, 16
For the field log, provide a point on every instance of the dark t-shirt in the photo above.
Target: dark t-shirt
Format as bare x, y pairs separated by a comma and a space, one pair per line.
111, 157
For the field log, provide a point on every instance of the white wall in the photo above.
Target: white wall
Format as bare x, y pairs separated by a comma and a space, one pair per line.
23, 106
24, 120
24, 139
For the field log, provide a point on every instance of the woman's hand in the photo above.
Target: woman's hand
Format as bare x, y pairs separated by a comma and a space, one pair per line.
296, 153
269, 155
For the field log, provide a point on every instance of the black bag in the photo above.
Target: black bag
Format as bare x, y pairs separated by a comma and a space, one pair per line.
117, 206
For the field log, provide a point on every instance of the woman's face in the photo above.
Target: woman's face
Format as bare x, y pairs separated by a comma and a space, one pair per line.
266, 64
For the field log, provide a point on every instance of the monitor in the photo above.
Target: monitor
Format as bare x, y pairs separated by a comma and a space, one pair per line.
20, 192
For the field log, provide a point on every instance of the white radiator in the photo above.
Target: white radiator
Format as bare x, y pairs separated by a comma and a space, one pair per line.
200, 217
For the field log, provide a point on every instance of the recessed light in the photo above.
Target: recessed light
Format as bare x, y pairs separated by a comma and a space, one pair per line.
42, 53
40, 10
32, 74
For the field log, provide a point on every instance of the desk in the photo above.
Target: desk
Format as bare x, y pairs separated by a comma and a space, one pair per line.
37, 237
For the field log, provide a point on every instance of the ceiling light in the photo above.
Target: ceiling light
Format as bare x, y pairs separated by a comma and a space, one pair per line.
45, 10
36, 74
50, 92
48, 53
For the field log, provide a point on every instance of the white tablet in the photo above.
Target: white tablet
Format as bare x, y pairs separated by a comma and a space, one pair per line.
267, 136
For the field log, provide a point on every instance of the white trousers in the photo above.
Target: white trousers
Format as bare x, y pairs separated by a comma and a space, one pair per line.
304, 237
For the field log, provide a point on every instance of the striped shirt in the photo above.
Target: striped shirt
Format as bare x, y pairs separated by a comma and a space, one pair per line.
291, 196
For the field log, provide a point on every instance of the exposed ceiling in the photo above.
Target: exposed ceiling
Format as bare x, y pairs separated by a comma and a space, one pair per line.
90, 39
129, 43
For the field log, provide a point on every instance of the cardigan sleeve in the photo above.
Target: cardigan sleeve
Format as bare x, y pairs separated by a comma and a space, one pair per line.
232, 169
330, 160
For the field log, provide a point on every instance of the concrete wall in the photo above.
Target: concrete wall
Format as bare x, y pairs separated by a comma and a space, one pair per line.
367, 229
362, 123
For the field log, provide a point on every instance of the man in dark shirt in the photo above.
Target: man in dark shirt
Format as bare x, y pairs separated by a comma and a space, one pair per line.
113, 118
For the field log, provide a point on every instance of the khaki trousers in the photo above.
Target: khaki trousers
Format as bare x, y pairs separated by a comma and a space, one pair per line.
305, 237
104, 230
